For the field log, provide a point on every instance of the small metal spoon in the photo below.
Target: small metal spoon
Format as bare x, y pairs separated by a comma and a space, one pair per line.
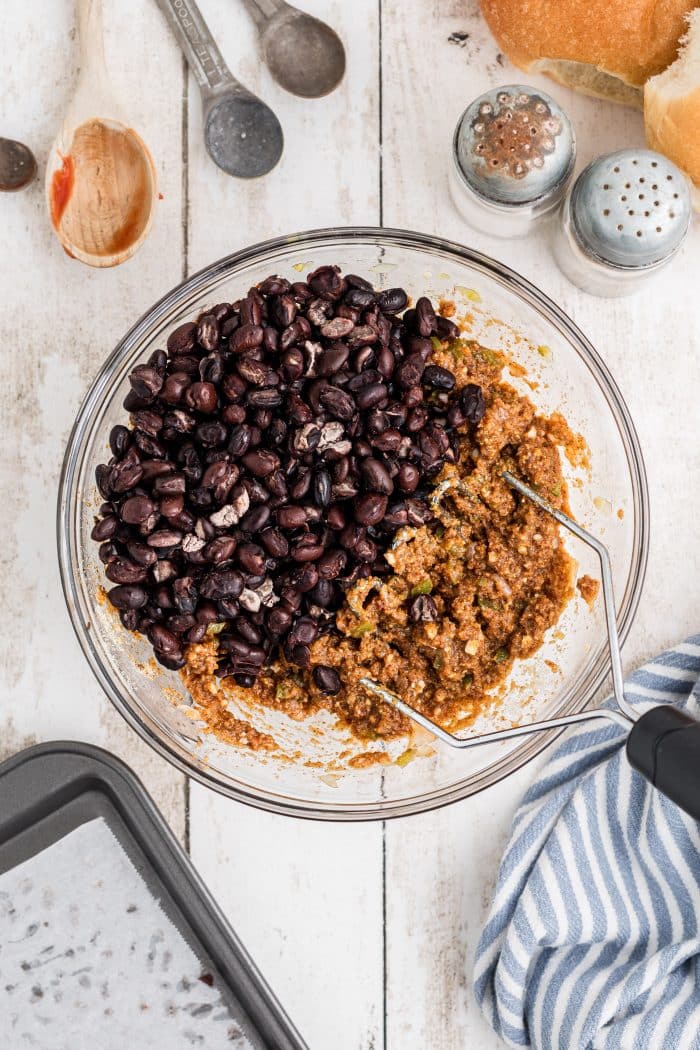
242, 134
304, 55
17, 165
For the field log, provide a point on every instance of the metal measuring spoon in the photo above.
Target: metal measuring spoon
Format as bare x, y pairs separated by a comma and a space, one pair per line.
17, 165
242, 134
304, 55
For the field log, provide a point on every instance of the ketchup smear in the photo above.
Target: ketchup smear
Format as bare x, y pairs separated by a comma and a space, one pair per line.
62, 182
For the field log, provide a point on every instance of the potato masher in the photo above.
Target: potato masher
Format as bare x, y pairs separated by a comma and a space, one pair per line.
663, 744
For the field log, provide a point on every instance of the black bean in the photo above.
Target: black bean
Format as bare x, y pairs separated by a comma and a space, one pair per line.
306, 549
439, 378
291, 517
338, 403
130, 618
298, 654
182, 339
163, 640
331, 564
255, 519
392, 300
396, 515
174, 388
332, 360
148, 446
274, 542
202, 397
164, 538
190, 464
416, 344
248, 631
128, 596
327, 283
365, 550
119, 440
239, 440
173, 661
123, 476
370, 509
455, 414
418, 512
122, 570
279, 621
220, 584
211, 435
425, 319
208, 332
107, 552
251, 557
136, 509
274, 285
473, 403
257, 492
376, 478
408, 477
327, 679
304, 578
372, 395
207, 613
261, 463
247, 337
220, 549
447, 329
359, 298
105, 529
282, 310
171, 506
322, 594
145, 382
141, 553
322, 487
410, 371
388, 441
304, 631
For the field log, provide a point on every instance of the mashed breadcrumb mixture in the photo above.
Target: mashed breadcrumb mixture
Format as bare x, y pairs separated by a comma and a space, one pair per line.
464, 595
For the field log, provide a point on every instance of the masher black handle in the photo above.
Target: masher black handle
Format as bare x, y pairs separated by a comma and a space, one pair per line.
664, 745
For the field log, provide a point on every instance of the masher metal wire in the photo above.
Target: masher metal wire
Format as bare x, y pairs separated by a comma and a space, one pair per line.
625, 716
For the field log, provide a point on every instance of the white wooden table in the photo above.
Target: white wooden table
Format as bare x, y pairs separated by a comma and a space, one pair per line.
366, 932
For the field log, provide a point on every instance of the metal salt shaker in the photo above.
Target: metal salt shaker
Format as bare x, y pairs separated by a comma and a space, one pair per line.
512, 155
625, 217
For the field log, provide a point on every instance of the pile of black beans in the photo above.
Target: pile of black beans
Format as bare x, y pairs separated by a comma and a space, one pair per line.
273, 452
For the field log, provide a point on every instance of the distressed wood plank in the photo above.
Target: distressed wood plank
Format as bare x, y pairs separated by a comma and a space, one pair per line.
441, 868
306, 898
59, 320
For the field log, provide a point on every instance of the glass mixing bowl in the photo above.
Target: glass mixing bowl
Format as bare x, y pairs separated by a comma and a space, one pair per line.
310, 778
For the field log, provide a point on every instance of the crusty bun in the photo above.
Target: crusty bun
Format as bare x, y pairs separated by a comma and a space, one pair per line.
606, 48
672, 107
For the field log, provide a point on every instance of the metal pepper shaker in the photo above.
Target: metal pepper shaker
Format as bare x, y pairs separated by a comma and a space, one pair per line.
513, 152
625, 217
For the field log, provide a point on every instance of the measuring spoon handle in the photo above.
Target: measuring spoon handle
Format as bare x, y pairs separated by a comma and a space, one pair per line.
263, 11
198, 45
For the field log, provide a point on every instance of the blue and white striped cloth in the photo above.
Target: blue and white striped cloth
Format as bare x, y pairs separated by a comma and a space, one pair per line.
593, 939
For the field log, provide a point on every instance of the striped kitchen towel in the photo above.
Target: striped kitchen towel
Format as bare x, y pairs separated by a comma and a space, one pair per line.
593, 939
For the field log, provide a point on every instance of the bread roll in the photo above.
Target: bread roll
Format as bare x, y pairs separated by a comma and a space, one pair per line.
672, 108
606, 48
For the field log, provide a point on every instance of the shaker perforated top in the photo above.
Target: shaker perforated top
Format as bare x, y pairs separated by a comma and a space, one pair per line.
631, 208
515, 145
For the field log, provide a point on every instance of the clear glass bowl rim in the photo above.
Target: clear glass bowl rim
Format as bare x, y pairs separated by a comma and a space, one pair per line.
198, 282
